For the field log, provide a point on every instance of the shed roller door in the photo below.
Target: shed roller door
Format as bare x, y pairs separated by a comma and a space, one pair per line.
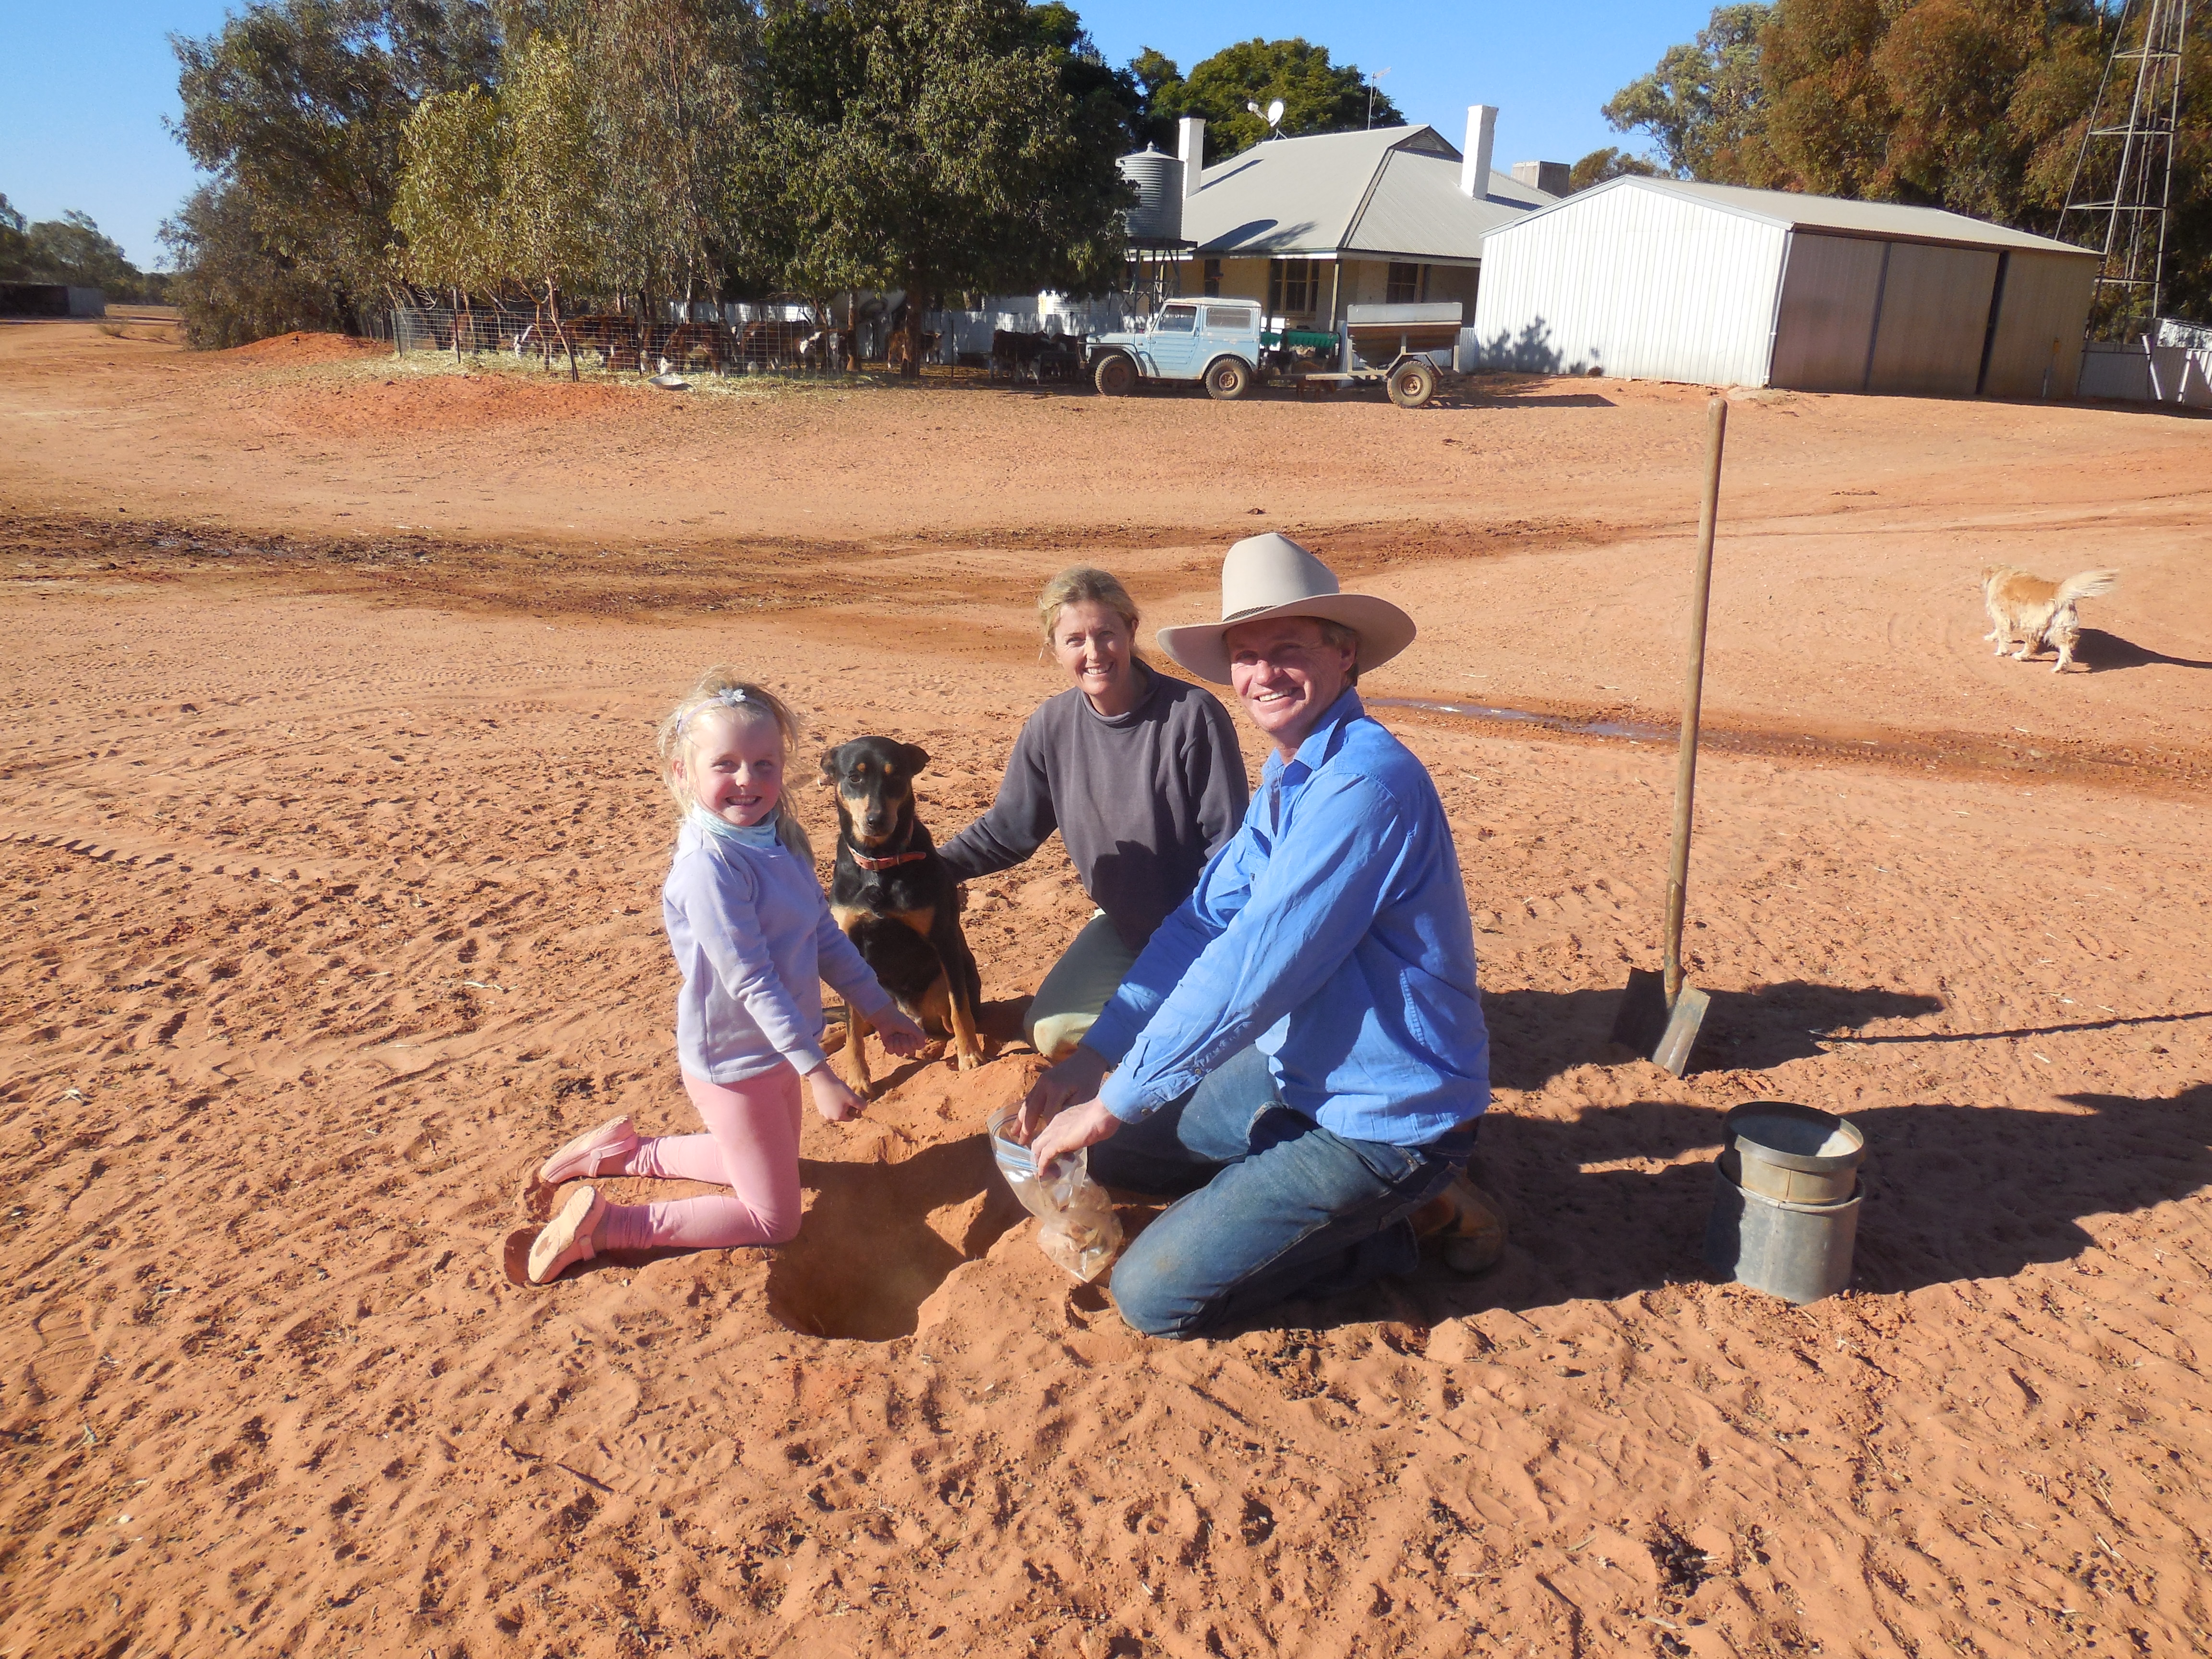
1934, 315
1826, 320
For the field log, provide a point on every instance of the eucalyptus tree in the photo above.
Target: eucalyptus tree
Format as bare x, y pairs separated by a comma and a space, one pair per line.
295, 109
550, 181
447, 207
929, 146
667, 93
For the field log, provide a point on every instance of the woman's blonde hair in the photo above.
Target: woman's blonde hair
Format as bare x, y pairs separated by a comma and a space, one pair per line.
719, 691
1082, 584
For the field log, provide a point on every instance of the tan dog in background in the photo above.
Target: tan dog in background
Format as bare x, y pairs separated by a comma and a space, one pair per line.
2036, 612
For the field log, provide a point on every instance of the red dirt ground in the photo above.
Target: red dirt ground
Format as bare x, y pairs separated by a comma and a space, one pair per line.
328, 826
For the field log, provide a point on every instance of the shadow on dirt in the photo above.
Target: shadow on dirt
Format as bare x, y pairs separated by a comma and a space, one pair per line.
1536, 1034
1515, 400
1952, 1192
2103, 653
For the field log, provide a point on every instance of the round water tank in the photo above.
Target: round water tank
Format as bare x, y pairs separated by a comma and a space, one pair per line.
1156, 220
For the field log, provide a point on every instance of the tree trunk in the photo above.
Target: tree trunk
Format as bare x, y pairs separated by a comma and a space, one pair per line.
553, 305
911, 369
852, 334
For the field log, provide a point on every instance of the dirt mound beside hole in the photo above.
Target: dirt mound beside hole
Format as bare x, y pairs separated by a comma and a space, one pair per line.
444, 403
305, 349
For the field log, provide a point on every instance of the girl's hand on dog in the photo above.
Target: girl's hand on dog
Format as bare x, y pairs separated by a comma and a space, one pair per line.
900, 1034
832, 1098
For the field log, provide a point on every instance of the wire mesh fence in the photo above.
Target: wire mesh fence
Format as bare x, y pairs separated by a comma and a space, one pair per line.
741, 337
621, 342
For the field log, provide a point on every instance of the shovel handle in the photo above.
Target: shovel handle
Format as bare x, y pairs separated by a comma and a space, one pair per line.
1693, 694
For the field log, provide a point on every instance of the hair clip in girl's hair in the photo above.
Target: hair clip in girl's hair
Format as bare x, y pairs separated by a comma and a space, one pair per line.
729, 696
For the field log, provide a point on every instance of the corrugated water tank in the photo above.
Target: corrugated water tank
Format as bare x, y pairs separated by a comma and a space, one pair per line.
1156, 219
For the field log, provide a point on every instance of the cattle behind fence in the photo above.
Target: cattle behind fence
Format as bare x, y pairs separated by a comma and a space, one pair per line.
621, 342
1039, 344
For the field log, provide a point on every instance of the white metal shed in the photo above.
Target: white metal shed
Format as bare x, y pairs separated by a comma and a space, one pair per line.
1665, 279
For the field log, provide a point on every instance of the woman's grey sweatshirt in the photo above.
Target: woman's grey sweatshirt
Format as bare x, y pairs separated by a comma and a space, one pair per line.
1141, 800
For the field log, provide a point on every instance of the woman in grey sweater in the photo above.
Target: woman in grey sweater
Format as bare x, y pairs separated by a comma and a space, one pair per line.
1140, 774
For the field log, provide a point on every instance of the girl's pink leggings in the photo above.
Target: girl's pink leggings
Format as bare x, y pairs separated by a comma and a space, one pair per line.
750, 1146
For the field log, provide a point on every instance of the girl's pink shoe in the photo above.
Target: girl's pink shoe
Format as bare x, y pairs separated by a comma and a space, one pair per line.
567, 1239
602, 1151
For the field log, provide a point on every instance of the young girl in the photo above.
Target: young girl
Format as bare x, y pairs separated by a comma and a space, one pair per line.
754, 937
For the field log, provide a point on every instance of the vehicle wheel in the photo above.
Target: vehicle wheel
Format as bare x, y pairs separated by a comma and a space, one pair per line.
1115, 376
1412, 384
1228, 379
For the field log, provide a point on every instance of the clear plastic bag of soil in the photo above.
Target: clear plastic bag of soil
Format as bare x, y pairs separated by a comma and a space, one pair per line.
1077, 1228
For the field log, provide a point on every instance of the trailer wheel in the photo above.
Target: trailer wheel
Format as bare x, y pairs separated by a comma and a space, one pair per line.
1228, 379
1411, 385
1115, 376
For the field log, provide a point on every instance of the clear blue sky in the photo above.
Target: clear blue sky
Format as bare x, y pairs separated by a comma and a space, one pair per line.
87, 83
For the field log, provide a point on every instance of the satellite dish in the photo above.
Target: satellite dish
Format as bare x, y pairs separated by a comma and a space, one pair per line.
1275, 112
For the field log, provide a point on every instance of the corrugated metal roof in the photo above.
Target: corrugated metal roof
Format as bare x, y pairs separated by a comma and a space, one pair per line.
1882, 221
1391, 191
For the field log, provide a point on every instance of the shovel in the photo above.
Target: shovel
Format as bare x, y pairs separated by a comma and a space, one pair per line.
1660, 1014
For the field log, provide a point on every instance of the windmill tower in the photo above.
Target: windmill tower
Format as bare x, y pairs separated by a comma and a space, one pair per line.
2123, 171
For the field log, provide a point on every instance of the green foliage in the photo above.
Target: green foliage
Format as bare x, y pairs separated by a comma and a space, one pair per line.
931, 146
1318, 95
14, 245
296, 107
447, 205
636, 150
1611, 162
73, 249
1704, 104
229, 285
69, 250
1111, 104
549, 181
668, 89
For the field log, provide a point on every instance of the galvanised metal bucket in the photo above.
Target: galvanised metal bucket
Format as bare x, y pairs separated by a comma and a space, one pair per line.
1799, 1252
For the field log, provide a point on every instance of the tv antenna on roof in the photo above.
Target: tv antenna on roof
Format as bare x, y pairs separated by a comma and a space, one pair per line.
1273, 115
1374, 83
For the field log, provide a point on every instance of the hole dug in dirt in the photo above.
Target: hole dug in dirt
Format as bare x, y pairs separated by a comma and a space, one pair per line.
880, 1237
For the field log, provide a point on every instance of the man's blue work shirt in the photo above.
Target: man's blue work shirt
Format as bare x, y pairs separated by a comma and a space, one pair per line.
1332, 933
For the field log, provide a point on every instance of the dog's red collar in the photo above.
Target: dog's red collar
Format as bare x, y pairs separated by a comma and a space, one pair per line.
896, 859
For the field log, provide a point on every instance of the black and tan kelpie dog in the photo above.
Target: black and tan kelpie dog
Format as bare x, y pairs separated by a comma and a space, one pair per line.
896, 900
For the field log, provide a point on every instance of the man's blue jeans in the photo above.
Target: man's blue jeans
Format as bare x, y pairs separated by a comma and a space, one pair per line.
1274, 1205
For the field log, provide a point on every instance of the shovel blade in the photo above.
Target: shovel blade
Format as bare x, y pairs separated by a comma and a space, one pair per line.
1683, 1021
1646, 1024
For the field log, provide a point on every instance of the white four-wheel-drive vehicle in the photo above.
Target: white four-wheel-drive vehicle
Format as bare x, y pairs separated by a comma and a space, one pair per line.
1213, 341
1225, 345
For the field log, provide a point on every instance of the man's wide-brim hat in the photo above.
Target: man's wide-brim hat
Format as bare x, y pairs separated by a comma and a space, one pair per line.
1272, 576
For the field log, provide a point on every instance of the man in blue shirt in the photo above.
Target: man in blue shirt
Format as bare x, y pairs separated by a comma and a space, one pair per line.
1299, 1052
